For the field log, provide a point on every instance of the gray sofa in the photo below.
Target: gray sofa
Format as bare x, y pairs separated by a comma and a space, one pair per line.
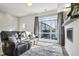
14, 42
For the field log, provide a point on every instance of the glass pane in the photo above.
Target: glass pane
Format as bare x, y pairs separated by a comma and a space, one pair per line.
48, 27
45, 36
45, 27
53, 36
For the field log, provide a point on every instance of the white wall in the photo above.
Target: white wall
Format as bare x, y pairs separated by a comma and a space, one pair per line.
73, 47
29, 20
29, 23
7, 22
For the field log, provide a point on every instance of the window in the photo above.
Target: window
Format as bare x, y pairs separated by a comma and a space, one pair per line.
48, 26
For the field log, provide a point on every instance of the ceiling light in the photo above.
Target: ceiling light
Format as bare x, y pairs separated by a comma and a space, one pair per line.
29, 4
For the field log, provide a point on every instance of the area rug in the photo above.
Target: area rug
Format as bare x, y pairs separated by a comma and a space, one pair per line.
50, 50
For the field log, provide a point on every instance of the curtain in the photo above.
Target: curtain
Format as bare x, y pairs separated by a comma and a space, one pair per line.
36, 26
61, 31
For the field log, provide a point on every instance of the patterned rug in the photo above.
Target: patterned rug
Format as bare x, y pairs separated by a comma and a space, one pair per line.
50, 50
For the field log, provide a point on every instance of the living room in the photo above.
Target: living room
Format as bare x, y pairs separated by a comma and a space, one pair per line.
29, 26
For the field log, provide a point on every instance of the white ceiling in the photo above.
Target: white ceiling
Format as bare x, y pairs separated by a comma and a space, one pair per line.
21, 9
